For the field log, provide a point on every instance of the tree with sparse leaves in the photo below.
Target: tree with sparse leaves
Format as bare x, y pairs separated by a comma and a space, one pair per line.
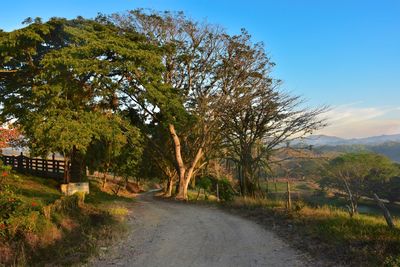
259, 117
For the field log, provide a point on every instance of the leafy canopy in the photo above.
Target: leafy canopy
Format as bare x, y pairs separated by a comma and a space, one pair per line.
66, 79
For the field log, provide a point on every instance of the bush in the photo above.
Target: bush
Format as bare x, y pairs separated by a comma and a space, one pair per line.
4, 173
204, 182
9, 205
226, 192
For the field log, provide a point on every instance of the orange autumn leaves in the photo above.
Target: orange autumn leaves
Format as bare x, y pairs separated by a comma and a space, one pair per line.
9, 136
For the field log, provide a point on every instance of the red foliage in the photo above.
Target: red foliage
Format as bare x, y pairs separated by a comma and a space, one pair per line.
8, 137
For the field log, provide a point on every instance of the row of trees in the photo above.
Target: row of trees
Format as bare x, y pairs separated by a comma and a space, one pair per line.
110, 92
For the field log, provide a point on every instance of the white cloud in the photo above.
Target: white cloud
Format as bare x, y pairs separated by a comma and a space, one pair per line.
350, 121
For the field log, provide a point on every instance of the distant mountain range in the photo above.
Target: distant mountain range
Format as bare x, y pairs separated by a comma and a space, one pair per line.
325, 140
388, 145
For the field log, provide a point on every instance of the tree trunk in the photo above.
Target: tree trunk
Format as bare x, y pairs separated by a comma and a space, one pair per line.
198, 194
179, 162
353, 204
170, 186
67, 173
185, 175
193, 183
77, 166
386, 212
247, 175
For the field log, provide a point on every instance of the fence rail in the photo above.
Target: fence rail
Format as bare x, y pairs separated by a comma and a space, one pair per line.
47, 168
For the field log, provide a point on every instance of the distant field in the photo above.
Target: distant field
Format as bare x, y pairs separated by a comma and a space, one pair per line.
311, 194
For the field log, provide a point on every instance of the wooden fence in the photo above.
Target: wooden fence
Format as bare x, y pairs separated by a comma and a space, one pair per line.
47, 168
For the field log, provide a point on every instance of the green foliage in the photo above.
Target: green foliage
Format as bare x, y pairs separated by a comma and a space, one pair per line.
69, 80
209, 184
205, 182
391, 189
226, 192
9, 203
363, 172
4, 172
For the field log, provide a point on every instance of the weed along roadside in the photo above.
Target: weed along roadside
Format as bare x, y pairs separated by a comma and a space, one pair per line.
41, 226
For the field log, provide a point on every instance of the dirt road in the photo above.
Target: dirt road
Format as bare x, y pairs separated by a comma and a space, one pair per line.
176, 234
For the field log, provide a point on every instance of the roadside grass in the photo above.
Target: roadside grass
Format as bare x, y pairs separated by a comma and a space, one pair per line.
327, 232
193, 195
365, 206
39, 226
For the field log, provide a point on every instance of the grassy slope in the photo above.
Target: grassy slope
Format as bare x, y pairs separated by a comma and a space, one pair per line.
49, 228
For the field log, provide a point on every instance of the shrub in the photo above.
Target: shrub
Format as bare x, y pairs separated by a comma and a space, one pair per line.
9, 204
4, 173
226, 192
204, 182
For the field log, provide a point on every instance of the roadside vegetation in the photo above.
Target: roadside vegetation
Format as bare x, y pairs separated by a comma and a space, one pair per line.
319, 224
326, 232
322, 219
39, 226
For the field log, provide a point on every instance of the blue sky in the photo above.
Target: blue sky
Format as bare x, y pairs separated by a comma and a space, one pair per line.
344, 53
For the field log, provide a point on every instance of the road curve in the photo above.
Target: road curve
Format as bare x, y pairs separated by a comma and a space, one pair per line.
176, 234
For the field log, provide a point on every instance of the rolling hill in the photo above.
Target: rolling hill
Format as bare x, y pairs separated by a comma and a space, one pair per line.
388, 145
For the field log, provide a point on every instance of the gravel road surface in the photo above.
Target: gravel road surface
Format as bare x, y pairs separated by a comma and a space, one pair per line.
167, 234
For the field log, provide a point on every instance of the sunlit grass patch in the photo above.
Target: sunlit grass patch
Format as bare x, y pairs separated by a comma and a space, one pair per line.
118, 211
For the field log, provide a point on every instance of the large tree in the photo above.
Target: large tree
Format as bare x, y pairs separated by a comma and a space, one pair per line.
191, 55
259, 117
219, 79
63, 80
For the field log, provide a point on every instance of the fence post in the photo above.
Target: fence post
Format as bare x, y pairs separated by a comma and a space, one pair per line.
20, 164
58, 166
53, 157
289, 198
